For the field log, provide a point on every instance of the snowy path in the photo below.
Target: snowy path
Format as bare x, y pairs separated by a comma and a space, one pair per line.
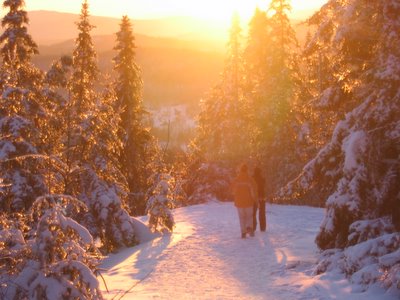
205, 258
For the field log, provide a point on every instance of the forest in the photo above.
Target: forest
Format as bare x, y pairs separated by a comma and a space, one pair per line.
79, 163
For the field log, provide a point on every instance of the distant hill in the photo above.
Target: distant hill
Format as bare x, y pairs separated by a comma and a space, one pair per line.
180, 57
61, 26
107, 42
173, 71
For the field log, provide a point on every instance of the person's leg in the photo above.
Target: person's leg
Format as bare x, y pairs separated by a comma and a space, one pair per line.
249, 220
262, 217
242, 220
255, 217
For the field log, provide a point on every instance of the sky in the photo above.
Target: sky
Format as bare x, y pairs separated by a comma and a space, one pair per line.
145, 9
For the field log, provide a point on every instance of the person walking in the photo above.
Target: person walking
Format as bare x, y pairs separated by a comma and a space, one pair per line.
260, 202
245, 194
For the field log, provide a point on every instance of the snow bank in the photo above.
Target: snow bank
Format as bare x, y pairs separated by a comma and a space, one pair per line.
205, 258
143, 232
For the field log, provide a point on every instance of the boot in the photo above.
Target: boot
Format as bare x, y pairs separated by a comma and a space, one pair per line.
250, 231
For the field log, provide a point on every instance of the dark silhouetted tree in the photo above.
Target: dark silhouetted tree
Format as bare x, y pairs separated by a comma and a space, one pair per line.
138, 147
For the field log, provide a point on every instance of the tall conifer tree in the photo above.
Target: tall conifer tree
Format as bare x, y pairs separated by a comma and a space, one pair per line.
85, 70
137, 144
256, 57
82, 101
274, 93
357, 171
21, 114
224, 132
92, 147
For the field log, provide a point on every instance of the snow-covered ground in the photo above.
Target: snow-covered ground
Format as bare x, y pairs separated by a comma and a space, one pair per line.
205, 258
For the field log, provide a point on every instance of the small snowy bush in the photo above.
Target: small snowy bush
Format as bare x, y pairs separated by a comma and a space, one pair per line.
107, 219
160, 204
56, 260
368, 262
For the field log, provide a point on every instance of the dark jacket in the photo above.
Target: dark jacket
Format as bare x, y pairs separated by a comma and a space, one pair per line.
260, 181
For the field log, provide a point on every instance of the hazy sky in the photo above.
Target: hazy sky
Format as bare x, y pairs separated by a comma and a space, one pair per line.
138, 9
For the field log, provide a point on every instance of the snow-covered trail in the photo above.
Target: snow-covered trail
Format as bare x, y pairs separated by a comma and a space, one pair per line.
205, 258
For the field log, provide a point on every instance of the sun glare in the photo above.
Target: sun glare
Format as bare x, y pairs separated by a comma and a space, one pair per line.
222, 11
217, 10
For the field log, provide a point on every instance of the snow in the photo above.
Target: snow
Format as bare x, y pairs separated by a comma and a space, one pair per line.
68, 223
143, 232
352, 146
6, 148
205, 258
326, 95
390, 259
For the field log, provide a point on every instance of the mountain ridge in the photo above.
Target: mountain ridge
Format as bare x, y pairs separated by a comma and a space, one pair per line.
180, 61
64, 28
61, 26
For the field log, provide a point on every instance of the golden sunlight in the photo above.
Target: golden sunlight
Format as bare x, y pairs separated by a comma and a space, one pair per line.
217, 10
222, 11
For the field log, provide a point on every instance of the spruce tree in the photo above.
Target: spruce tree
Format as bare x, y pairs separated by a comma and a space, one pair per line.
22, 115
224, 132
275, 93
56, 93
256, 55
18, 46
317, 64
37, 266
85, 71
92, 148
137, 144
358, 169
80, 104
